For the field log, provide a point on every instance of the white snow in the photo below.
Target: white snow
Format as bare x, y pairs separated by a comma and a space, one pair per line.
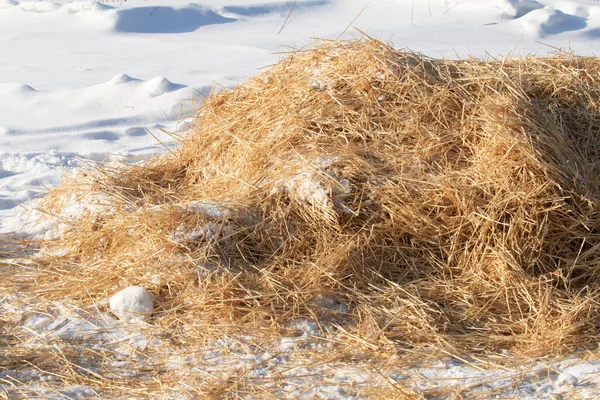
132, 304
549, 21
131, 345
85, 81
566, 379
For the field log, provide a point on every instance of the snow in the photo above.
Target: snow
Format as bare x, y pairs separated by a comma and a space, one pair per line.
132, 304
86, 81
137, 344
549, 21
566, 379
516, 8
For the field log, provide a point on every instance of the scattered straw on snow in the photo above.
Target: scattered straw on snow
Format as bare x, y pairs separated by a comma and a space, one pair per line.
449, 206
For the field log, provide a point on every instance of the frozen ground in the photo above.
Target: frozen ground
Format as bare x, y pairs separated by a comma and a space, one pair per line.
89, 80
301, 365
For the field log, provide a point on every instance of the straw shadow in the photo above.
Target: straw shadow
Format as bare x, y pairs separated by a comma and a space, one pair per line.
15, 244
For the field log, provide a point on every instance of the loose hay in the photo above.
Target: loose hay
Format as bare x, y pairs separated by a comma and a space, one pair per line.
403, 202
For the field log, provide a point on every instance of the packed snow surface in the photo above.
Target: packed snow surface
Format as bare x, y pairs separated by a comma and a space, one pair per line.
87, 81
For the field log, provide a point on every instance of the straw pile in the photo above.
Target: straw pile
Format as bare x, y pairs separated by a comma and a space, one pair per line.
401, 201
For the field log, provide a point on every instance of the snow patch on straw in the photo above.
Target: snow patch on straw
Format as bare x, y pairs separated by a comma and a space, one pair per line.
320, 186
216, 228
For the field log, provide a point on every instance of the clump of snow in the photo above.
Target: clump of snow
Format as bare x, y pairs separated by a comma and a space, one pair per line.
217, 227
211, 209
205, 233
330, 303
321, 186
306, 187
73, 207
566, 379
581, 372
92, 204
307, 330
132, 304
317, 85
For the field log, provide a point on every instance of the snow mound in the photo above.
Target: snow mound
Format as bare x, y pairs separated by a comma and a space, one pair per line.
549, 21
120, 102
537, 18
14, 88
164, 19
120, 79
160, 85
517, 8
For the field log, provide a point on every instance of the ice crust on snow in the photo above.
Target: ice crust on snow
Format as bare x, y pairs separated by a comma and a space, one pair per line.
132, 304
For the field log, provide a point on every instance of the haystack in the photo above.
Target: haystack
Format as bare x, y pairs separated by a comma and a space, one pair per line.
401, 201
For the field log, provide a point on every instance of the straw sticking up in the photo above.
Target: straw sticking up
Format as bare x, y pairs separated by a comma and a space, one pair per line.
445, 204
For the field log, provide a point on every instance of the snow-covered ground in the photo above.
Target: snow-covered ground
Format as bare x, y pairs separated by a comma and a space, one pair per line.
87, 80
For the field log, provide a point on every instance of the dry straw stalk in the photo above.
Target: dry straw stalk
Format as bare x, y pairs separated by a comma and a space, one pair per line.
448, 205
